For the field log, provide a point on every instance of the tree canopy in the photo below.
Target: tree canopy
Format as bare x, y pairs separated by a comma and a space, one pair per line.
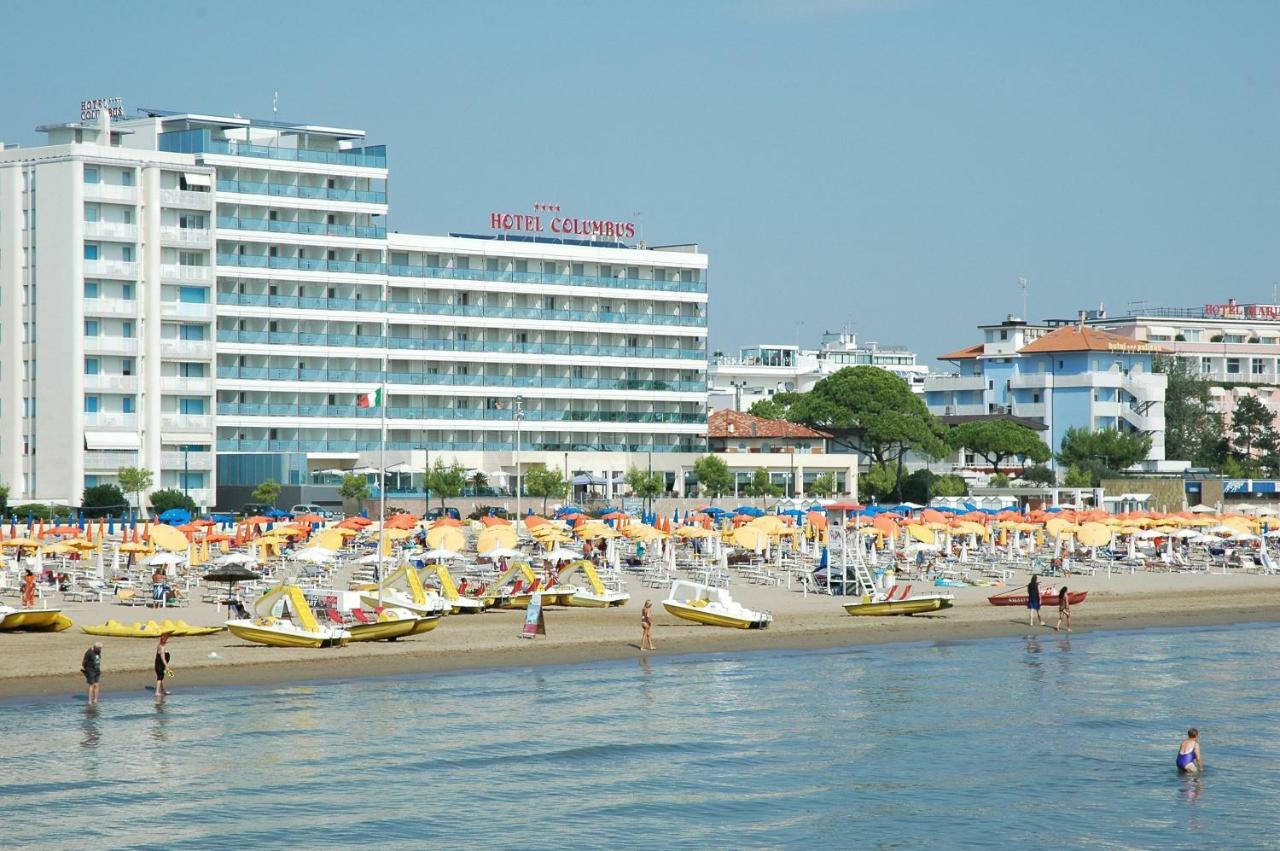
1253, 434
761, 484
354, 488
1192, 428
446, 480
873, 412
1109, 447
164, 500
267, 491
646, 485
998, 440
135, 480
768, 409
545, 482
713, 475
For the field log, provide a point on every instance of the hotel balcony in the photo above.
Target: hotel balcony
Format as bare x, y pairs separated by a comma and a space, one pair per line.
111, 192
186, 274
110, 345
177, 384
110, 307
109, 460
111, 269
193, 461
186, 310
183, 237
118, 231
302, 264
308, 193
944, 383
201, 141
301, 228
186, 200
541, 278
111, 383
110, 419
186, 422
173, 347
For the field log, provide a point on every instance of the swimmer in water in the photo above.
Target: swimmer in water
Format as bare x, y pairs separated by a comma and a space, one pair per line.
1189, 760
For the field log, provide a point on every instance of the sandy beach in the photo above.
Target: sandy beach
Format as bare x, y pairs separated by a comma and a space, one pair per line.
47, 664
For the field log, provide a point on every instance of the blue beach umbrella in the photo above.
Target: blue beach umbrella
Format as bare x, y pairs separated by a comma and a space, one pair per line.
111, 524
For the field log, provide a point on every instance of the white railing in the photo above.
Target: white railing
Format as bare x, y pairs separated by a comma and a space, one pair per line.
111, 230
109, 460
186, 310
111, 345
110, 419
187, 422
173, 346
115, 383
954, 382
111, 192
186, 236
178, 384
110, 307
188, 200
178, 272
111, 268
193, 460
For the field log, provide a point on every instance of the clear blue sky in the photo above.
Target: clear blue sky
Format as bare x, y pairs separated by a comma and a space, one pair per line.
887, 163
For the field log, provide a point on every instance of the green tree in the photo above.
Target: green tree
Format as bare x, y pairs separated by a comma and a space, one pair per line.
998, 440
1078, 478
714, 478
354, 488
877, 483
4, 499
918, 486
761, 484
104, 499
646, 485
950, 485
41, 511
446, 480
998, 480
823, 485
267, 491
545, 482
163, 500
1192, 428
1038, 474
478, 482
1110, 448
768, 409
1253, 434
135, 480
873, 412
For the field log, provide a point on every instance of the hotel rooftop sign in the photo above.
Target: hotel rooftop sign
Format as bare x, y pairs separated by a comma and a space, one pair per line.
89, 109
546, 218
1233, 310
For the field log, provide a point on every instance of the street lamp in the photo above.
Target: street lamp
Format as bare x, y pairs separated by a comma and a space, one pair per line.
519, 421
185, 470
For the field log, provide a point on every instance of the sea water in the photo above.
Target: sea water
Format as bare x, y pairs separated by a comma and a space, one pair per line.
1048, 740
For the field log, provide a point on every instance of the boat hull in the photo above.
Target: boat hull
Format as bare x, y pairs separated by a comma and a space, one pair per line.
711, 618
910, 606
426, 624
35, 620
430, 610
264, 634
466, 606
113, 629
589, 600
382, 630
1075, 598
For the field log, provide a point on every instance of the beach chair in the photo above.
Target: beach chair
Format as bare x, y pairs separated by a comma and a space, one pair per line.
362, 616
336, 617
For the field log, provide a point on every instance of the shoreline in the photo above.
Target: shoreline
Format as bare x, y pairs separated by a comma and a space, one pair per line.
580, 636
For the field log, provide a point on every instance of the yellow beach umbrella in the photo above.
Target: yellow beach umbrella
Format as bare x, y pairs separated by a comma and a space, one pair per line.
1094, 535
496, 537
330, 539
446, 538
168, 538
751, 538
690, 532
19, 542
921, 533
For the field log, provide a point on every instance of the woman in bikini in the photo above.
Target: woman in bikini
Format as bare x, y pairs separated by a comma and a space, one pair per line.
646, 626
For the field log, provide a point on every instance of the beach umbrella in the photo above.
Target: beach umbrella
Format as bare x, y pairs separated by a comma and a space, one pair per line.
231, 575
562, 554
164, 558
236, 558
314, 555
501, 552
440, 554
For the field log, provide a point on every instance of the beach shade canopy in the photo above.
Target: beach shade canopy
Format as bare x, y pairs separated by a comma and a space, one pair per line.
236, 558
503, 552
561, 554
568, 509
751, 538
231, 575
440, 554
314, 555
164, 558
749, 510
446, 538
494, 537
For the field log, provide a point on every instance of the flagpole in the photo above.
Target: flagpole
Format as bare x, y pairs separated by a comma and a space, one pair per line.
382, 476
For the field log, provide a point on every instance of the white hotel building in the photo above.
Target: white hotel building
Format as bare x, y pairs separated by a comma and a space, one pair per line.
176, 284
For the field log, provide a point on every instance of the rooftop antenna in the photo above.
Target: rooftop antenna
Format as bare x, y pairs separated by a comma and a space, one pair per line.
1024, 283
275, 106
640, 222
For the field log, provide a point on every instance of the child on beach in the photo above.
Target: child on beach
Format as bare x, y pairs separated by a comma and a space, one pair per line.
1064, 609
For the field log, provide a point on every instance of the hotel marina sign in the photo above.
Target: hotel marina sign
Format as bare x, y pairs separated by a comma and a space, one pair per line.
1232, 310
546, 218
89, 109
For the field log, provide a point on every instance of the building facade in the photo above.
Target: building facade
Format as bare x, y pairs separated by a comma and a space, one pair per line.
216, 284
758, 372
1061, 375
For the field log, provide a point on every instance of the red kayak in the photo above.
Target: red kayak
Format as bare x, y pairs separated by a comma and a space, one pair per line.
1048, 599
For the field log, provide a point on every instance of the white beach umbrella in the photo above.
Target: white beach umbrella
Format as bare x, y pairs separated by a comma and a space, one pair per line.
313, 555
165, 559
1203, 509
440, 555
237, 558
496, 553
561, 554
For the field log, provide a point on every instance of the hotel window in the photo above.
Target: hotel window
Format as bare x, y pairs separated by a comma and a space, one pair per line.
91, 175
191, 407
1233, 366
191, 332
1206, 365
90, 366
126, 366
190, 221
126, 177
190, 369
90, 212
90, 251
126, 292
91, 404
126, 404
126, 253
1258, 366
191, 258
193, 295
90, 289
126, 329
91, 327
491, 264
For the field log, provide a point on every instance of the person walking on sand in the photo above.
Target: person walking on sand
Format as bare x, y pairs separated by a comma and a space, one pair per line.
1064, 609
1033, 601
28, 590
163, 668
1189, 759
91, 667
646, 627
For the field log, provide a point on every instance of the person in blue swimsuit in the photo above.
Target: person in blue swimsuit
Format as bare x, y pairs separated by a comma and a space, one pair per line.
1189, 760
1033, 601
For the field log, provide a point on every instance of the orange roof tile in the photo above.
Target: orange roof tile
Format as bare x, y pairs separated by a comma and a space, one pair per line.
1081, 338
968, 353
747, 425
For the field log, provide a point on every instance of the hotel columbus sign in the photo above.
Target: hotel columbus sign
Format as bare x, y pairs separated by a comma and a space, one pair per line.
89, 109
546, 218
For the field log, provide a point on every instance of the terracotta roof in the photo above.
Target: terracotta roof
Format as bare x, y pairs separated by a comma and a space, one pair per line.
968, 353
1077, 338
747, 425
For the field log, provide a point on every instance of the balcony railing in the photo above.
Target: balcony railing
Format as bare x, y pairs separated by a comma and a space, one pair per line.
186, 310
110, 307
110, 419
449, 274
111, 383
111, 192
109, 460
110, 269
303, 228
180, 384
111, 230
201, 237
263, 445
423, 379
191, 461
300, 338
181, 272
176, 347
371, 305
101, 345
187, 422
305, 264
242, 409
186, 199
292, 190
588, 350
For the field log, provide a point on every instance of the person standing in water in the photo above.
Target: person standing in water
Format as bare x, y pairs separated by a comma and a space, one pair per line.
91, 667
1064, 609
163, 668
1033, 601
1189, 759
646, 627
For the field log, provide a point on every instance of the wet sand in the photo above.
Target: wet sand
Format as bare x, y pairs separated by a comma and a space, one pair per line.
47, 664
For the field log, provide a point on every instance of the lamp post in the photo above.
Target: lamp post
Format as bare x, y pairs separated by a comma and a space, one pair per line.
519, 422
185, 469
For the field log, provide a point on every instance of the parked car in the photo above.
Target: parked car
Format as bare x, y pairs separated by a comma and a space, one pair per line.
311, 508
437, 513
252, 509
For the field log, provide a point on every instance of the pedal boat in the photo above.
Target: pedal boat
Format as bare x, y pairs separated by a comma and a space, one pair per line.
33, 620
704, 604
283, 619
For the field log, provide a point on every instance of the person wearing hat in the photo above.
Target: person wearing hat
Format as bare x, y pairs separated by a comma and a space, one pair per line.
91, 667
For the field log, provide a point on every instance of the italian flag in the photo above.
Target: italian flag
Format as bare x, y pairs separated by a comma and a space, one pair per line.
370, 400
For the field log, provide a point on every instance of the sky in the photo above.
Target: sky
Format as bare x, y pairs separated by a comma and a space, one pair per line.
893, 166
